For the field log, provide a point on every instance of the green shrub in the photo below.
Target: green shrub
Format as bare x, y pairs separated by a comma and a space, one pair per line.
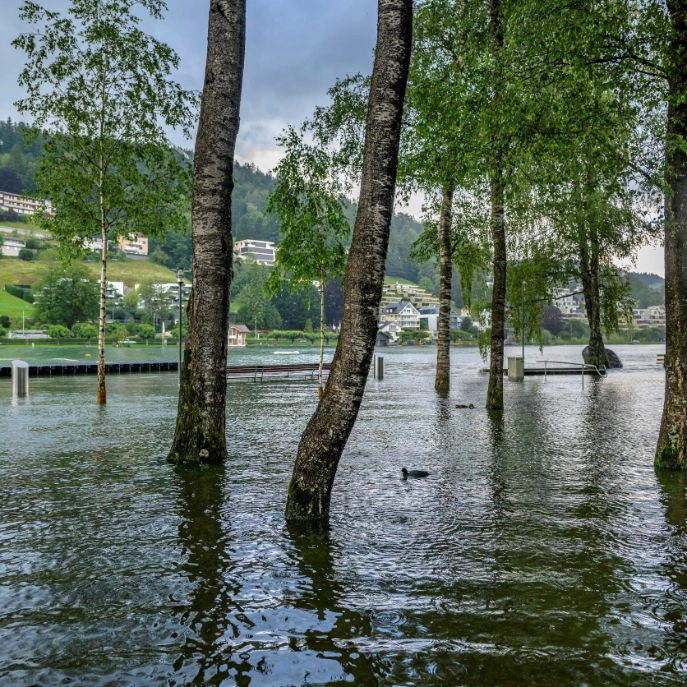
27, 254
5, 321
3, 332
146, 332
85, 331
57, 331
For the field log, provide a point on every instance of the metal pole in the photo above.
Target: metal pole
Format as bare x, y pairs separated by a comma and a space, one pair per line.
180, 280
523, 324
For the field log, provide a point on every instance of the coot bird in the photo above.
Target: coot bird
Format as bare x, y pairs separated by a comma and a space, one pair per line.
414, 473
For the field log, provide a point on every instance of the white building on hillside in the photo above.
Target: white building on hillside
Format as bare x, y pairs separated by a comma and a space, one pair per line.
22, 205
12, 245
431, 316
264, 252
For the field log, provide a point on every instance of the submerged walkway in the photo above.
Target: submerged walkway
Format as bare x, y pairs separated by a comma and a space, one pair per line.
256, 373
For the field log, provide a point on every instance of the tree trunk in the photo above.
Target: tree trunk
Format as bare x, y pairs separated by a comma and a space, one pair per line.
320, 388
328, 430
589, 271
498, 235
498, 297
443, 375
671, 451
101, 397
200, 435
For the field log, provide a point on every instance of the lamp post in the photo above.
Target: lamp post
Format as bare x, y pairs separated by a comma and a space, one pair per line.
523, 324
180, 281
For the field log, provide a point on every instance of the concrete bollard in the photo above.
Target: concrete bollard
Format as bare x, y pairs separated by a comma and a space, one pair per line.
379, 367
20, 378
516, 369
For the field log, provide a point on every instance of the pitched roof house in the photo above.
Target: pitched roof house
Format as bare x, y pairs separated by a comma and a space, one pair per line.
237, 335
404, 314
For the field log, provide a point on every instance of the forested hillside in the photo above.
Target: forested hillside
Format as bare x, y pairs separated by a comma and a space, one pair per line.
17, 168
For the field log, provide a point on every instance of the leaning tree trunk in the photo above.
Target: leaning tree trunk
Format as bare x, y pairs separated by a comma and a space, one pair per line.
671, 451
327, 432
498, 236
442, 381
320, 388
589, 271
498, 297
200, 429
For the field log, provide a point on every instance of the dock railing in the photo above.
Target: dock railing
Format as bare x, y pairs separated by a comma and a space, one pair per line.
584, 367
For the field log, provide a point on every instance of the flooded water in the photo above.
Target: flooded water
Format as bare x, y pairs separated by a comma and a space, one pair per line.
542, 550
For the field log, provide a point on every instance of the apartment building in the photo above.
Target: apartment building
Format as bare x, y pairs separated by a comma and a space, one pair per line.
654, 316
22, 205
393, 293
135, 244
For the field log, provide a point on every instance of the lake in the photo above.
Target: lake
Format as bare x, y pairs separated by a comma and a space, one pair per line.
543, 549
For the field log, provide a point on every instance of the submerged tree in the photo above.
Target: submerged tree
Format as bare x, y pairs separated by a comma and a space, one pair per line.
99, 90
328, 430
671, 451
200, 435
308, 201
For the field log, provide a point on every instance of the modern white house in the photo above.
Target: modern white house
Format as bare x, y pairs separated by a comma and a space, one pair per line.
263, 252
237, 335
404, 314
95, 243
11, 246
431, 316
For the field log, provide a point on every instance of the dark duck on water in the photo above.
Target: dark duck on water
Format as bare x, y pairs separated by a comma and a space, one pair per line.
414, 473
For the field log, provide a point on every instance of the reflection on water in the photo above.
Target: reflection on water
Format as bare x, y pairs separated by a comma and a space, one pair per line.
543, 549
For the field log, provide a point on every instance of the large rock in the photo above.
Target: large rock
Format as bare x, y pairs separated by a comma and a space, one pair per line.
612, 360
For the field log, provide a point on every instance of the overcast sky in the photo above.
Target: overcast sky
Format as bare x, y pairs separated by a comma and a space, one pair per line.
295, 50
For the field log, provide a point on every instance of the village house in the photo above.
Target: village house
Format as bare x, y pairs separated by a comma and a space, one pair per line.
404, 314
12, 246
237, 335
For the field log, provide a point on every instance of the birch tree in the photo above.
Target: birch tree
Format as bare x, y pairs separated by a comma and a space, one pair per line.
200, 434
325, 436
100, 93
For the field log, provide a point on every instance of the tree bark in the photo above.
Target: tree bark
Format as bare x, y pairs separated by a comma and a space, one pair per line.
442, 381
101, 397
327, 432
671, 451
498, 297
320, 387
589, 271
200, 435
498, 234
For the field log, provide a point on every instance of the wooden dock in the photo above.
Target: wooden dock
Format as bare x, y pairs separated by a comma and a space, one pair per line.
70, 369
251, 373
541, 371
265, 373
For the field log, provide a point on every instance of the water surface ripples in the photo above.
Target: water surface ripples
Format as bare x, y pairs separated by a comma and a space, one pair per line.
543, 549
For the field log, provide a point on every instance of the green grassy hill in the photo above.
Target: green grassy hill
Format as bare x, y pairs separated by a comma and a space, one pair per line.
16, 271
13, 306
